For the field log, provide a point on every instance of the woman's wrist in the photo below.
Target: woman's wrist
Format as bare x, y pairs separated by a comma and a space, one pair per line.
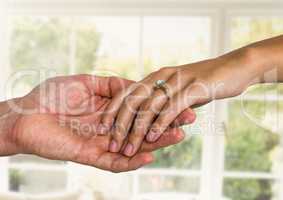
265, 57
252, 61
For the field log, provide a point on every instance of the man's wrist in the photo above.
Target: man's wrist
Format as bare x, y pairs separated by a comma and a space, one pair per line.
9, 116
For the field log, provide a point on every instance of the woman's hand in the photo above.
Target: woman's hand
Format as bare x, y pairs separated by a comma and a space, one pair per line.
144, 110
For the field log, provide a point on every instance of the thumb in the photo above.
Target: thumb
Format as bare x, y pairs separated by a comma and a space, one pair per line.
105, 86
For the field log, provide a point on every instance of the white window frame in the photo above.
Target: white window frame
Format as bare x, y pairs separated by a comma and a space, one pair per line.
221, 13
4, 63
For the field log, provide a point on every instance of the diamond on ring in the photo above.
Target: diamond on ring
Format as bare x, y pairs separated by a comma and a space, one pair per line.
159, 84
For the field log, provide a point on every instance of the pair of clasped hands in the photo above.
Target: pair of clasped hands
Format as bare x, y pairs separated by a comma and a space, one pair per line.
115, 124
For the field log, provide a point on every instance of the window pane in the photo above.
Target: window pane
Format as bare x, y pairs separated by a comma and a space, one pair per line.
251, 189
159, 184
108, 44
265, 90
36, 181
38, 43
246, 30
170, 41
187, 154
253, 136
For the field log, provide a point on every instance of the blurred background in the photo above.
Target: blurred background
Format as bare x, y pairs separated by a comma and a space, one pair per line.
233, 151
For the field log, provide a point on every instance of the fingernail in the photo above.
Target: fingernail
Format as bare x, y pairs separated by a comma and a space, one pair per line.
113, 146
152, 136
129, 150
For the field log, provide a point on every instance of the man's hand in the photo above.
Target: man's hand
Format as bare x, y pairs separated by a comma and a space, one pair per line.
60, 119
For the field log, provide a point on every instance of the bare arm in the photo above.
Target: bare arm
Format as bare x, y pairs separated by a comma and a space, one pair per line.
188, 86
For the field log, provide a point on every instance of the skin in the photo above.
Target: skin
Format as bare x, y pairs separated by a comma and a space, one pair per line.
150, 111
42, 123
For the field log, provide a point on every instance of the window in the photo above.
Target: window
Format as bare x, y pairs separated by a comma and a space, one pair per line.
253, 142
131, 40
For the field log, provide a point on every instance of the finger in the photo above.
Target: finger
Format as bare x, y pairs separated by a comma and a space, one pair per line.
105, 86
170, 137
129, 107
86, 152
136, 162
180, 102
126, 115
141, 124
150, 109
94, 104
115, 162
89, 122
114, 106
188, 116
78, 91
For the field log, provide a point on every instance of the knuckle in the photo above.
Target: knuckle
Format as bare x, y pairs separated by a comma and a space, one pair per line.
120, 132
142, 124
128, 106
146, 106
143, 91
166, 70
129, 101
131, 104
161, 122
107, 118
137, 136
137, 130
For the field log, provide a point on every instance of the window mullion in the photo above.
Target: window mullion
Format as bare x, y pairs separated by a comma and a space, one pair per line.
281, 173
140, 70
213, 154
213, 144
72, 46
140, 64
4, 178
